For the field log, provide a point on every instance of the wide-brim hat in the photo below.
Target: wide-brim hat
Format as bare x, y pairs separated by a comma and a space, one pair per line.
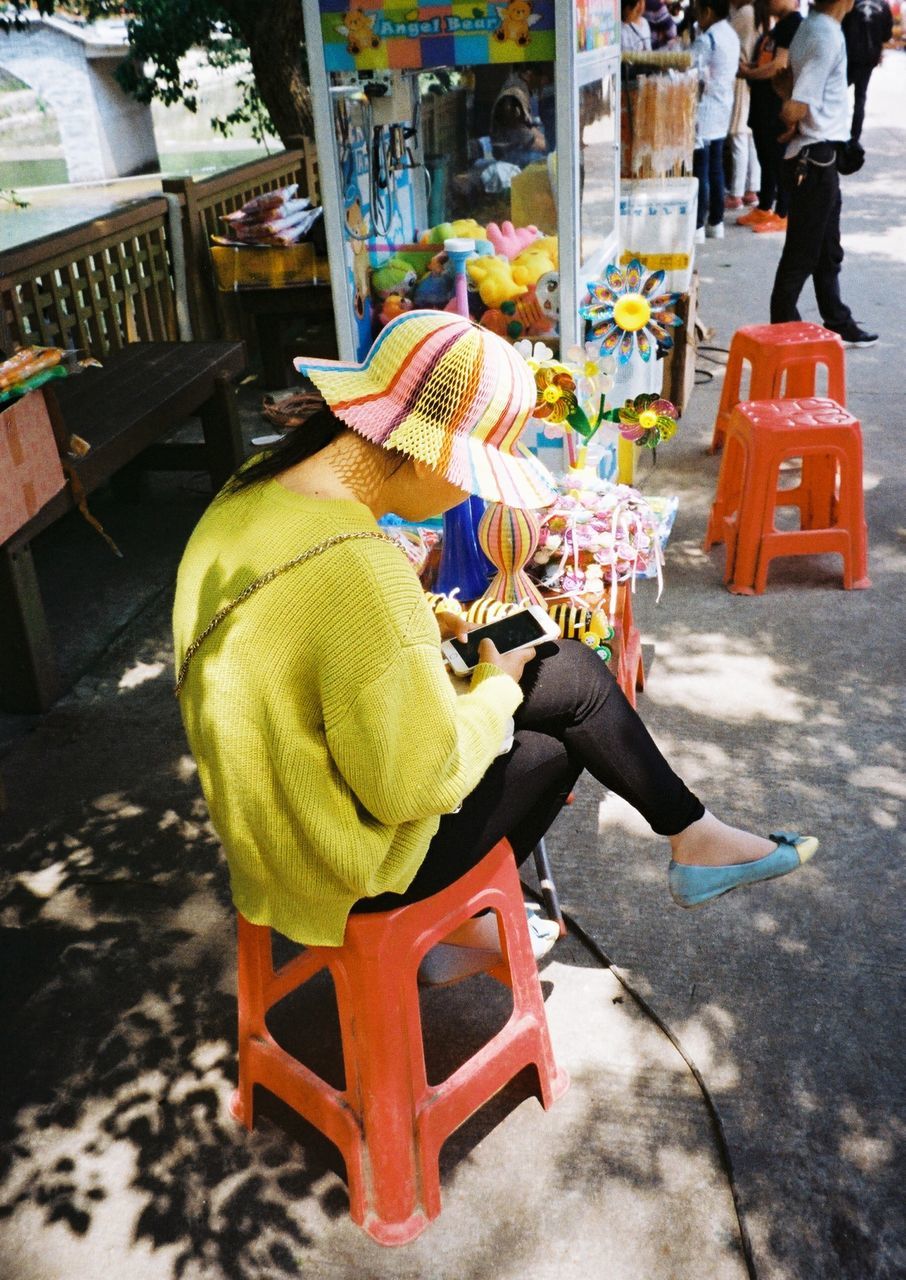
441, 389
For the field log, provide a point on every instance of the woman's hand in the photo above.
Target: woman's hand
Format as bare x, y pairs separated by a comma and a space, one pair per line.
511, 664
453, 626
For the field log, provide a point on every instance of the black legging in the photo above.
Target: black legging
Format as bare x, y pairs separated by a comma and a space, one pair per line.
770, 157
574, 716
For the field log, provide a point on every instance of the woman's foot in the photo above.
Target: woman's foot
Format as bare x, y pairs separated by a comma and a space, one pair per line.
474, 947
711, 843
693, 886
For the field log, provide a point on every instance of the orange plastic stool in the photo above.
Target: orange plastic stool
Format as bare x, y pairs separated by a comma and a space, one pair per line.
389, 1123
761, 436
796, 350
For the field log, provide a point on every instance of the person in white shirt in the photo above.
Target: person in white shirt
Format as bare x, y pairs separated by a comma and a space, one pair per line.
745, 171
817, 115
716, 54
635, 33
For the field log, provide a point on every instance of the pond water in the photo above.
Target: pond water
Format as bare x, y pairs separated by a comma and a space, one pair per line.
52, 205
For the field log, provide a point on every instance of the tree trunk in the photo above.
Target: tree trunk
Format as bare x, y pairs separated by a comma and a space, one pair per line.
275, 35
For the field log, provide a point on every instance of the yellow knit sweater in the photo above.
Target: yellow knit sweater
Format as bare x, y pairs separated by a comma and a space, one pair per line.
327, 735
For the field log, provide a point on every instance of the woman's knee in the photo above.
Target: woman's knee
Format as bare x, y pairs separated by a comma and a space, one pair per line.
566, 681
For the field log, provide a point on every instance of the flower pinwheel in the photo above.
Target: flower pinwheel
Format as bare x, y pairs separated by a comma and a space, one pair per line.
557, 401
626, 311
647, 420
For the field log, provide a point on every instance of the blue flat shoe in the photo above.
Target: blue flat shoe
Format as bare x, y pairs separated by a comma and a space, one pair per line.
693, 886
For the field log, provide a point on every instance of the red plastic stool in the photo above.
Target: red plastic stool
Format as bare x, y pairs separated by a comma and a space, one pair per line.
761, 436
774, 350
389, 1123
626, 664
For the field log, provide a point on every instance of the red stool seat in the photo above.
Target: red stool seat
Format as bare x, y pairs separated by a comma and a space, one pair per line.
784, 359
389, 1123
761, 436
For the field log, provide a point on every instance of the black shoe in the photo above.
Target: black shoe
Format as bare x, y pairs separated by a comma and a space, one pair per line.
853, 336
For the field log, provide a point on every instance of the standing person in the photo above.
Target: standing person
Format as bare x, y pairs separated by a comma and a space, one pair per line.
770, 58
866, 29
635, 33
745, 172
661, 23
817, 115
341, 769
716, 54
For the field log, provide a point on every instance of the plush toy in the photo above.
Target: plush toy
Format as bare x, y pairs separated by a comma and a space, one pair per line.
461, 229
502, 321
494, 277
395, 276
529, 316
394, 305
551, 246
433, 292
509, 240
531, 264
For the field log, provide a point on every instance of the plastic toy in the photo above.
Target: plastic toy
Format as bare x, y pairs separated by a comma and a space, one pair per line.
494, 277
395, 276
508, 240
508, 538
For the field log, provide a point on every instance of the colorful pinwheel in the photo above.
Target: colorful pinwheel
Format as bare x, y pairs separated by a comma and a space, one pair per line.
626, 311
555, 381
647, 420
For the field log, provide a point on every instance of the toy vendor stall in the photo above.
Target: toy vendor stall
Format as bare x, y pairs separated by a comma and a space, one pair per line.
469, 160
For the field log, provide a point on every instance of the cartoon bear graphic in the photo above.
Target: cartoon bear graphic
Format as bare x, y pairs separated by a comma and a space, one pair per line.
359, 32
516, 20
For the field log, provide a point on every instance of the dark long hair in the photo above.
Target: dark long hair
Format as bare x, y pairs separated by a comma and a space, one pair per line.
305, 437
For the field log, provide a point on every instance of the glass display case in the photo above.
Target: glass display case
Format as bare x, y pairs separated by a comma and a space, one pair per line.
486, 121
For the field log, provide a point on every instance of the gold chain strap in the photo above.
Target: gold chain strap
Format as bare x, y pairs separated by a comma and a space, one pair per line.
262, 582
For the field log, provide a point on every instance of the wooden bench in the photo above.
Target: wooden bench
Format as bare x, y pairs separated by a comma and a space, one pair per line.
106, 288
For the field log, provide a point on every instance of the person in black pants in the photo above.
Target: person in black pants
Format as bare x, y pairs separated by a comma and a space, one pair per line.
770, 58
817, 115
866, 29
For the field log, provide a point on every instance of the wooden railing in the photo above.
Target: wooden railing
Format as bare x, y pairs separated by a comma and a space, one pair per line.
94, 287
109, 281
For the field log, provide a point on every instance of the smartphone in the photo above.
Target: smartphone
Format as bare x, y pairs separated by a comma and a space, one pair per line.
519, 630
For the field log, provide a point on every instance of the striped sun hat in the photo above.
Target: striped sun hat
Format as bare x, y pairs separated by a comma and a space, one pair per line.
443, 390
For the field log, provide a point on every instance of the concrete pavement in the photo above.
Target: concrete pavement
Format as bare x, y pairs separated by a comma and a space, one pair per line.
117, 1151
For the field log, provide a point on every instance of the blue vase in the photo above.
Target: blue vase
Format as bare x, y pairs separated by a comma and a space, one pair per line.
463, 565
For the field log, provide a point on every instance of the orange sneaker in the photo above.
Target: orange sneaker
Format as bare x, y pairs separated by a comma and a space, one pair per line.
753, 216
773, 223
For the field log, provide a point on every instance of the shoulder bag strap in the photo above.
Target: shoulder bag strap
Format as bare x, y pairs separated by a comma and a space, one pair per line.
262, 582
